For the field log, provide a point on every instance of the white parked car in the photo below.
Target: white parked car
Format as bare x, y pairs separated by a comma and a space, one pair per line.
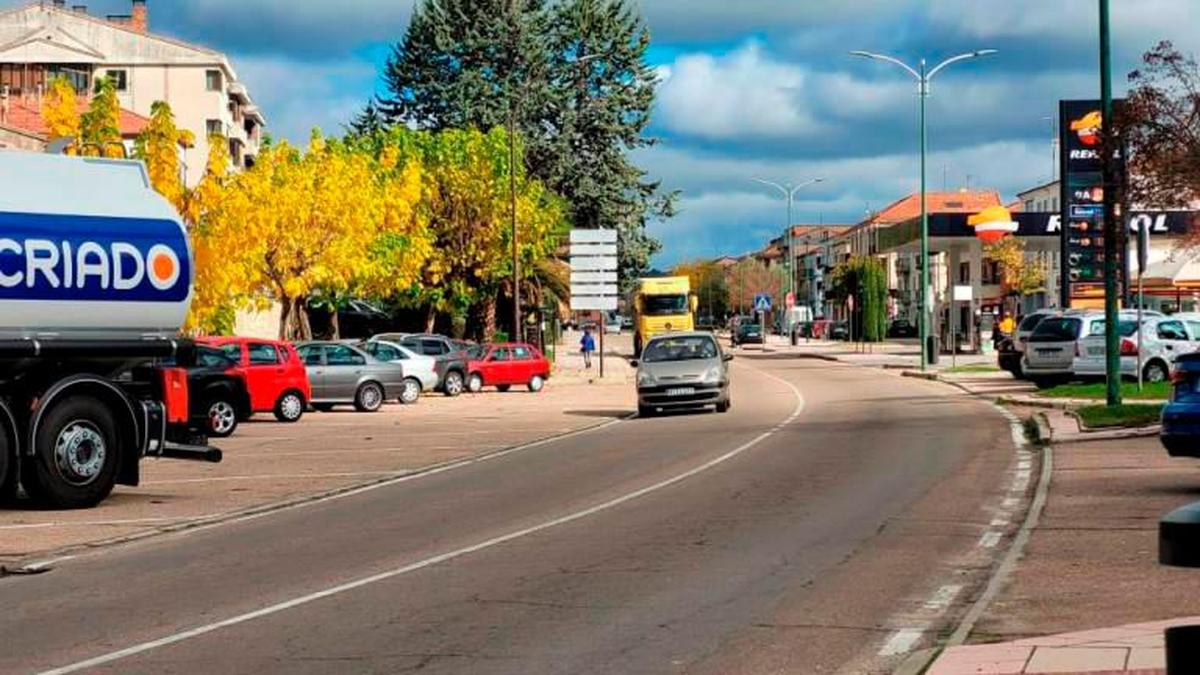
1053, 345
1163, 339
422, 367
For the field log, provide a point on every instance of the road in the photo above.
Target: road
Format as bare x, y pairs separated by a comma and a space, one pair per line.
784, 536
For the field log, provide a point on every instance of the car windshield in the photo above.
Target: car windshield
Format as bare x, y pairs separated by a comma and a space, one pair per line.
688, 348
749, 328
664, 305
1060, 329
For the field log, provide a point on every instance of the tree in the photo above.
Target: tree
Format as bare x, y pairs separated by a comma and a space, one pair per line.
60, 110
574, 77
101, 124
158, 146
370, 120
709, 285
1019, 276
748, 278
222, 282
865, 280
601, 95
1161, 125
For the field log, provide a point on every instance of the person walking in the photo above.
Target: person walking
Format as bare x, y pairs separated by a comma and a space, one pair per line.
587, 345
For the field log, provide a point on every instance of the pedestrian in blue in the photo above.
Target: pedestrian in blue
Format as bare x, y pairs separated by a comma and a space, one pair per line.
587, 344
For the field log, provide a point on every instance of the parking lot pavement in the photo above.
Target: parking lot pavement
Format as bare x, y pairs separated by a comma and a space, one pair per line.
270, 463
1092, 562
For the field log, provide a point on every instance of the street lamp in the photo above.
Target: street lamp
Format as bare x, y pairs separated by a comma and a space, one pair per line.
924, 77
789, 192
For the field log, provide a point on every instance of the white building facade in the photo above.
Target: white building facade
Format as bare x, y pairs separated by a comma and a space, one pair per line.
45, 40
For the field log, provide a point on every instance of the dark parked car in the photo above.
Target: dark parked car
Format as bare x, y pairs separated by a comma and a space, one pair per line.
748, 333
839, 330
902, 328
217, 394
1008, 357
1180, 433
452, 357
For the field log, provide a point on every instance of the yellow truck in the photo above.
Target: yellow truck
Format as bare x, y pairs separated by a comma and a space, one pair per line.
661, 305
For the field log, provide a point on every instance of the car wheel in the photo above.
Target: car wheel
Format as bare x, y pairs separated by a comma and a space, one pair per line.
369, 397
222, 418
1155, 372
475, 383
454, 383
410, 391
503, 387
76, 452
290, 407
322, 407
537, 383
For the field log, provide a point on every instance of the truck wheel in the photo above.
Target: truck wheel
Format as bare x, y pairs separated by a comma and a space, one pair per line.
289, 407
8, 470
369, 397
76, 453
222, 418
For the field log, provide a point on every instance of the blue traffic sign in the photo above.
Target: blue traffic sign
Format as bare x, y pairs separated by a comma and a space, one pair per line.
762, 302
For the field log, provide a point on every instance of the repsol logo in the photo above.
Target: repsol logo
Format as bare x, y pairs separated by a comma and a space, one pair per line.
87, 265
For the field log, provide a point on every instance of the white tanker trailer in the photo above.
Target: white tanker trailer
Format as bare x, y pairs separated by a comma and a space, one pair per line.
95, 282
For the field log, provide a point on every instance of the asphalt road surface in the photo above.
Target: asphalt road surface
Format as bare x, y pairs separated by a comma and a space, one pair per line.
784, 536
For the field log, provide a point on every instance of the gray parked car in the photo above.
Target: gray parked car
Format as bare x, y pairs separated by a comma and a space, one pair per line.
342, 374
683, 370
451, 357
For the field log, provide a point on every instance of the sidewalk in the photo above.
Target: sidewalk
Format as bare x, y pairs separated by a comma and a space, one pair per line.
569, 367
1134, 648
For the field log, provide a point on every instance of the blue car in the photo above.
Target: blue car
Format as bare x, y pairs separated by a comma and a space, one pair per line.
1180, 433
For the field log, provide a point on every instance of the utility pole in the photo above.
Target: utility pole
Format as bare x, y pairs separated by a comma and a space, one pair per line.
789, 192
1112, 344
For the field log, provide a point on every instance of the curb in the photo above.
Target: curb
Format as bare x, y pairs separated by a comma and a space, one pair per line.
43, 560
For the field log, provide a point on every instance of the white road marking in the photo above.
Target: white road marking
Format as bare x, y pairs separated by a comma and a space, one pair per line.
902, 641
444, 557
943, 597
989, 539
276, 476
84, 523
1000, 522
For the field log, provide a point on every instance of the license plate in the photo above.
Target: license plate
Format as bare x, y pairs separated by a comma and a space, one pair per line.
681, 391
1096, 351
1048, 352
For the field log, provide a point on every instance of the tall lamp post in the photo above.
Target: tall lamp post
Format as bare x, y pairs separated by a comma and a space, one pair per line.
789, 192
924, 77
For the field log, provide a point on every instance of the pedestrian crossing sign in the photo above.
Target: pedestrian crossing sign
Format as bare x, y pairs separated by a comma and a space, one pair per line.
762, 303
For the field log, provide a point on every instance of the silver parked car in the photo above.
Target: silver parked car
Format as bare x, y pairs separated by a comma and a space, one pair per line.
683, 370
342, 374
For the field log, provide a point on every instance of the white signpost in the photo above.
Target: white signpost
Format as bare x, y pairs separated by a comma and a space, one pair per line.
594, 275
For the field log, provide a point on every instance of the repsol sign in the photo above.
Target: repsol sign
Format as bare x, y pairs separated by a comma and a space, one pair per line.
54, 257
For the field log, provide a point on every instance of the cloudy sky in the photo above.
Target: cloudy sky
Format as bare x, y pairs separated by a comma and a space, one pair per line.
752, 88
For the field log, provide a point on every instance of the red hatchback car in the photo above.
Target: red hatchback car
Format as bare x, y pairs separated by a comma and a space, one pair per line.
275, 375
508, 364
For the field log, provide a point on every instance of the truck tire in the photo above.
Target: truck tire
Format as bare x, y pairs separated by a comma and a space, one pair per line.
75, 455
8, 470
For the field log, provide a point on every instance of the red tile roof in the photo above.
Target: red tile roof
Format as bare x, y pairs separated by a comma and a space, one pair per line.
964, 201
27, 116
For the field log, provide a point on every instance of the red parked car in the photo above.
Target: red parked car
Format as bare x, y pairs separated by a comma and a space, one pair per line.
275, 375
504, 365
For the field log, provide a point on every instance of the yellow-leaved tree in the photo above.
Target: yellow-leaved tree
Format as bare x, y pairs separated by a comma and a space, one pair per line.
100, 126
60, 110
158, 146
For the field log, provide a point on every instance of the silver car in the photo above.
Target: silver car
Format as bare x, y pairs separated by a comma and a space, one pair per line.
341, 374
680, 371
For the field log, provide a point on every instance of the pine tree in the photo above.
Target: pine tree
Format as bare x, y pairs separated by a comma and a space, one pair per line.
369, 121
603, 90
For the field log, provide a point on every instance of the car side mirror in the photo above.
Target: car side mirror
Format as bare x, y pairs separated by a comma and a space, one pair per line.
728, 357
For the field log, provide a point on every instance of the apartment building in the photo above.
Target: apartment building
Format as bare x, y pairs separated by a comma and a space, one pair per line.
47, 39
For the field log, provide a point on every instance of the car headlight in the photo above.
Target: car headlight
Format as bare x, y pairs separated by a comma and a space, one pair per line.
714, 375
645, 380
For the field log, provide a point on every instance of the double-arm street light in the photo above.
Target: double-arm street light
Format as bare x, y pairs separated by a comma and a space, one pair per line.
789, 192
924, 76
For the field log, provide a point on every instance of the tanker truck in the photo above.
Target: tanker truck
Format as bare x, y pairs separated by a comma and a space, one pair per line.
95, 282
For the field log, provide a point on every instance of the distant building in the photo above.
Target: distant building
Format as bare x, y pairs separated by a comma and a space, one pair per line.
44, 40
22, 126
1041, 199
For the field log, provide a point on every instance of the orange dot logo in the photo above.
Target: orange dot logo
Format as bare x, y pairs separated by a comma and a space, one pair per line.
163, 266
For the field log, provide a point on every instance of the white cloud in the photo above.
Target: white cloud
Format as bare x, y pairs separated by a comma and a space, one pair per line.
297, 96
691, 20
743, 93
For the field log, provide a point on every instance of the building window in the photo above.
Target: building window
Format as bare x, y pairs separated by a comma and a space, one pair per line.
119, 78
964, 273
215, 128
213, 80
